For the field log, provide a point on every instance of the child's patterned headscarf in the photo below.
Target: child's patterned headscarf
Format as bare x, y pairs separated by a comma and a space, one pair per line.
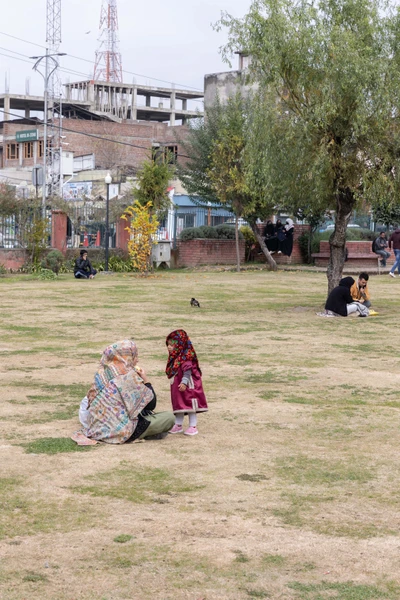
183, 350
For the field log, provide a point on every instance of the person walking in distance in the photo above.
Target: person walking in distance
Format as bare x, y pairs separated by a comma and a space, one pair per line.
395, 241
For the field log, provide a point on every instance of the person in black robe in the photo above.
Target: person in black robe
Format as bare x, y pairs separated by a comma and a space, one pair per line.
287, 244
271, 241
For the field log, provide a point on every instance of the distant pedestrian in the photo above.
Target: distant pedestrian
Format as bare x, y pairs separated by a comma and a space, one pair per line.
395, 240
83, 268
379, 247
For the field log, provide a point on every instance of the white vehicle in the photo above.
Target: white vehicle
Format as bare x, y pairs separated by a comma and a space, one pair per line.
351, 225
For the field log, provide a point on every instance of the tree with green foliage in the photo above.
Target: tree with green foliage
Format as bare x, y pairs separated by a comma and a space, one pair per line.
328, 76
152, 183
217, 169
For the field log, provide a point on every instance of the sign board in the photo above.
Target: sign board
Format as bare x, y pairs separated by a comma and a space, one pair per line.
77, 191
29, 135
37, 176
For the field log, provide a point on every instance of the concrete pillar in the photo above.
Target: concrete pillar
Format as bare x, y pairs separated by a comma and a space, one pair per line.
134, 104
90, 93
59, 230
173, 105
6, 108
184, 104
148, 100
27, 113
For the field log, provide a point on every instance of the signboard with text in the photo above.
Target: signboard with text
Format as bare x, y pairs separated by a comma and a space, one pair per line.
29, 135
77, 191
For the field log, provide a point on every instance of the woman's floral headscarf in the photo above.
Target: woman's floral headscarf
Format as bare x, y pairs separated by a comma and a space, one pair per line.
117, 359
183, 351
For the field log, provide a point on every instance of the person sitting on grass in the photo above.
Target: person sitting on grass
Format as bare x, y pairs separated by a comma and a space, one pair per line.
121, 401
83, 268
341, 303
359, 290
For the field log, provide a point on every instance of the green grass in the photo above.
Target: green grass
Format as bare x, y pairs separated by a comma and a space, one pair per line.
303, 470
35, 577
137, 485
123, 538
53, 446
341, 591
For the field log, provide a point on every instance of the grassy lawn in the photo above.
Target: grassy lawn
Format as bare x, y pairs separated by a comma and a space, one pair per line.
290, 491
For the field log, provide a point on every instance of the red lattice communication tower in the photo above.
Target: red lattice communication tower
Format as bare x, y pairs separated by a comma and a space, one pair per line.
108, 66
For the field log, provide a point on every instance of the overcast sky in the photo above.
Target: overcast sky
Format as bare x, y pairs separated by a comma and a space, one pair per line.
170, 41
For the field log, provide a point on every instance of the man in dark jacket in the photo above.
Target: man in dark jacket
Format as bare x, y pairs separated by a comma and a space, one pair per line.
83, 268
379, 247
395, 240
341, 303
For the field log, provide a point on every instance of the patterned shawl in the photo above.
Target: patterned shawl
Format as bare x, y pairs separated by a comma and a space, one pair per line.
183, 351
117, 395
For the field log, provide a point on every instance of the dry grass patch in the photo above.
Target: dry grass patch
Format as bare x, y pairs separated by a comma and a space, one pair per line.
289, 491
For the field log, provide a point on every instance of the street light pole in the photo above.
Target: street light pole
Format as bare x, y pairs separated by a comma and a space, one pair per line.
108, 180
46, 78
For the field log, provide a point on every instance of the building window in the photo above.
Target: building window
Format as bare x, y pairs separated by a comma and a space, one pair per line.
28, 150
165, 154
12, 151
40, 148
171, 154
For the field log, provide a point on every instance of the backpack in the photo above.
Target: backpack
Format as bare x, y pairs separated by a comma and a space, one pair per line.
374, 245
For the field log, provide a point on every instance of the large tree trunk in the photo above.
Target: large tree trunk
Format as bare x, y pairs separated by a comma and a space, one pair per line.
337, 241
237, 244
271, 263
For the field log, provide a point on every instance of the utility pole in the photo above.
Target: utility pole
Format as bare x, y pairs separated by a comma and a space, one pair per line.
54, 148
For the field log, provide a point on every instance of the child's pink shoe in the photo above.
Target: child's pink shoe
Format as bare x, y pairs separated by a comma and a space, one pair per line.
191, 431
176, 429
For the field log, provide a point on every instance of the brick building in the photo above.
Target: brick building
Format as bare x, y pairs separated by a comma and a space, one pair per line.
123, 145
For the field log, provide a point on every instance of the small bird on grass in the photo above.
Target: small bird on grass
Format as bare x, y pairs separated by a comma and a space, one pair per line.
195, 302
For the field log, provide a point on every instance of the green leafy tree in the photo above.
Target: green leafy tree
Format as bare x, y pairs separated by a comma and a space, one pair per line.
218, 169
152, 183
328, 75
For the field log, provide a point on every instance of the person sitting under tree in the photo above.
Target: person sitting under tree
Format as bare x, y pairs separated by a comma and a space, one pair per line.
359, 290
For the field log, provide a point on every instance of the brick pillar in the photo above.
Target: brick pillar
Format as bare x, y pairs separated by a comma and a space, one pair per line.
122, 237
59, 230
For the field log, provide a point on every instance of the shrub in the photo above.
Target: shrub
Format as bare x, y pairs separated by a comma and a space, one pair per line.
3, 270
53, 261
209, 232
227, 232
191, 233
220, 232
119, 264
46, 274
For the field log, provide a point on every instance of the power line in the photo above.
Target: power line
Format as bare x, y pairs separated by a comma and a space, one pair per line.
92, 63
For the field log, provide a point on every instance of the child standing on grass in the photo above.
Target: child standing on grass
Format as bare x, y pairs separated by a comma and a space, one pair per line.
183, 370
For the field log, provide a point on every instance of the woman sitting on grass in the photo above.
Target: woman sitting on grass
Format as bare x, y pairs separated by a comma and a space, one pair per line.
121, 400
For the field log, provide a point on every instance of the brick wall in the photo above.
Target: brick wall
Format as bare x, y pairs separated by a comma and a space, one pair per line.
13, 259
192, 253
296, 257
